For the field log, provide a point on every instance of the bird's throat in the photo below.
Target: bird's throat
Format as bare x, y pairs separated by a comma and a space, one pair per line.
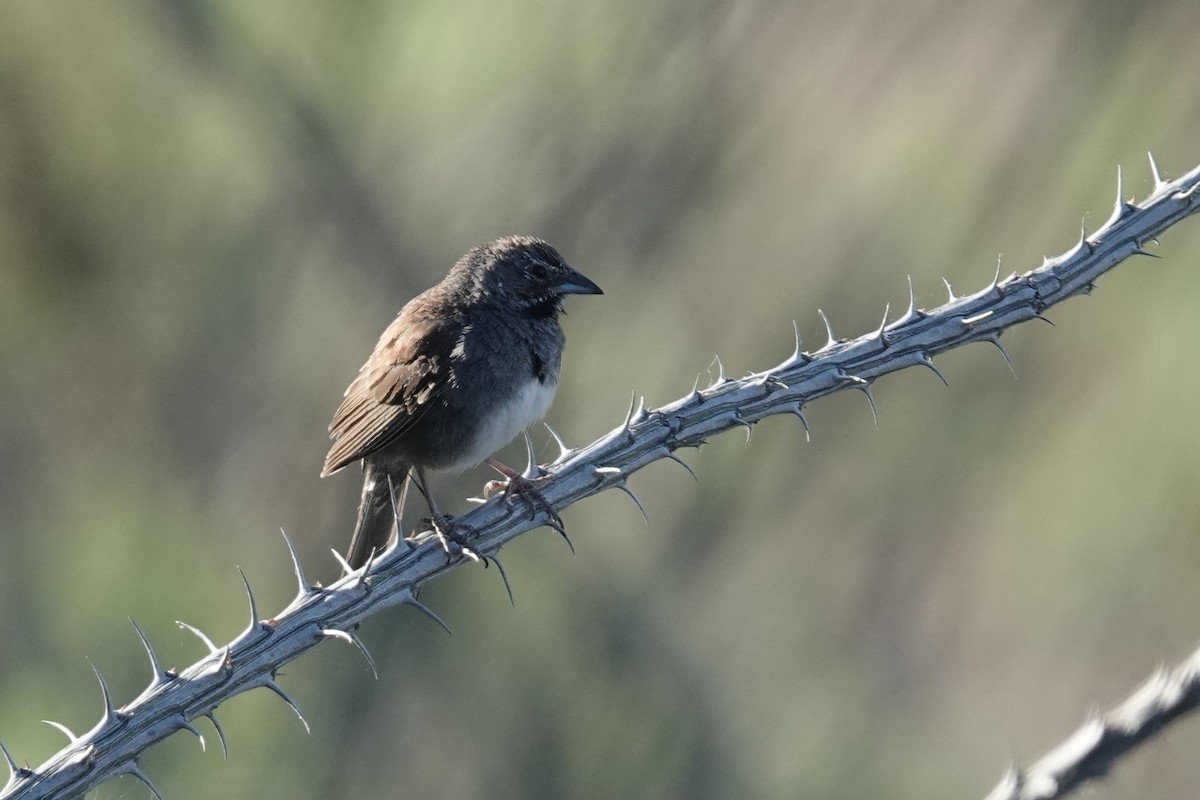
547, 308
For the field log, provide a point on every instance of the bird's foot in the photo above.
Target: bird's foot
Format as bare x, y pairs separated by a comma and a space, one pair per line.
517, 485
453, 536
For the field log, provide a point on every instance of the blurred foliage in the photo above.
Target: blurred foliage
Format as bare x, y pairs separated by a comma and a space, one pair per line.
210, 210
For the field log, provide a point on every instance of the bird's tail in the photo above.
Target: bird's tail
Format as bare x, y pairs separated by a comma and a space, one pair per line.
377, 514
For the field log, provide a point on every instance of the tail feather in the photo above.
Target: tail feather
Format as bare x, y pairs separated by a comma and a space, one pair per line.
376, 524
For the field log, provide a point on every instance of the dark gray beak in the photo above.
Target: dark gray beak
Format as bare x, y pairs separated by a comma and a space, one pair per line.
575, 283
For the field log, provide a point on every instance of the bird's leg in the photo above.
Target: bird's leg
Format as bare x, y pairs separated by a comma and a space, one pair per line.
398, 504
515, 483
445, 526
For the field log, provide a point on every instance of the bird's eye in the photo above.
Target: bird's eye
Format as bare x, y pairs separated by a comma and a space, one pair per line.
537, 272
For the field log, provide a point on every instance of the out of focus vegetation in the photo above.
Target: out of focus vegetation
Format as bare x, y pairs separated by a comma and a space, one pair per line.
210, 210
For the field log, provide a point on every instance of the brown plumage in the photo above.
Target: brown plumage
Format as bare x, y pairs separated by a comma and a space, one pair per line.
463, 368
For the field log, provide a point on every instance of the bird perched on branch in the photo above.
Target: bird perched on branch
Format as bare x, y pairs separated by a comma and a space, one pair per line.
466, 366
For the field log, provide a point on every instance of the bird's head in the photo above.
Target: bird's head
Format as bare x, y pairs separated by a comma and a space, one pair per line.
524, 273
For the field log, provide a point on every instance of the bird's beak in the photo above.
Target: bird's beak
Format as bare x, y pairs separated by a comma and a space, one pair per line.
575, 283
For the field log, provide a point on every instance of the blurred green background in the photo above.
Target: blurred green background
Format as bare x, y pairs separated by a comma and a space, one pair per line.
210, 210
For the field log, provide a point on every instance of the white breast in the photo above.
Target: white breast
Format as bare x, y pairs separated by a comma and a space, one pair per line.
506, 421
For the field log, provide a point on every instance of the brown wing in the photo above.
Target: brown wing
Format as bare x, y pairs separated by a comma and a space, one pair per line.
394, 388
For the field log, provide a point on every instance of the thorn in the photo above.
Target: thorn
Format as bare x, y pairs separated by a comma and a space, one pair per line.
563, 450
301, 581
109, 712
277, 689
362, 648
772, 382
190, 728
334, 633
1158, 180
342, 562
426, 610
927, 360
133, 769
1083, 242
798, 356
671, 455
212, 717
212, 648
555, 525
13, 770
737, 417
996, 341
636, 502
637, 407
878, 334
949, 290
866, 389
346, 636
495, 559
1011, 783
799, 412
864, 386
373, 556
1121, 206
912, 312
71, 737
1138, 251
155, 665
696, 389
996, 278
832, 340
254, 617
531, 466
720, 372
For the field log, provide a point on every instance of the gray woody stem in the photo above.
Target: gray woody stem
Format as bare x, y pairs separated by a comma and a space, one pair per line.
173, 701
1092, 750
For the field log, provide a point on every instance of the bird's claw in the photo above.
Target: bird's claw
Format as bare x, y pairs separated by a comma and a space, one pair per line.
453, 536
519, 486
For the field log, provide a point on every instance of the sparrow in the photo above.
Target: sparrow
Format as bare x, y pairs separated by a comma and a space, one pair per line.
466, 366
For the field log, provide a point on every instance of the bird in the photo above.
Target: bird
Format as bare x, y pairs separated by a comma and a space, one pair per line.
464, 368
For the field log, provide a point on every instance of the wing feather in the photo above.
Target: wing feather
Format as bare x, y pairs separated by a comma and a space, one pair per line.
401, 380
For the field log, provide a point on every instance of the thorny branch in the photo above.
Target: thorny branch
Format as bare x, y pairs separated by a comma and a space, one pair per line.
175, 700
1100, 742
